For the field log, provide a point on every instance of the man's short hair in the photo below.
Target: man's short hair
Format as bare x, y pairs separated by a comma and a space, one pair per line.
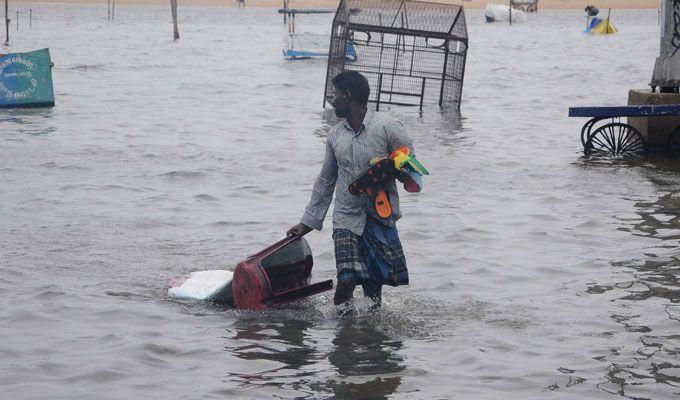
354, 82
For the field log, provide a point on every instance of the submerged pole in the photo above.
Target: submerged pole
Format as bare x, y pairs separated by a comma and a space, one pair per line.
609, 13
173, 8
6, 22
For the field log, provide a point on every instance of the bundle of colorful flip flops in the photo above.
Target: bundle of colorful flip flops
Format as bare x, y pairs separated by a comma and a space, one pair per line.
399, 165
412, 170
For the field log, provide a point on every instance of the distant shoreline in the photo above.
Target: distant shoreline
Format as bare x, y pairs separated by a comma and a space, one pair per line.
542, 4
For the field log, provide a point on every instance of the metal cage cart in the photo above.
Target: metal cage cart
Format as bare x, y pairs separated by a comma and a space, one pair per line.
412, 53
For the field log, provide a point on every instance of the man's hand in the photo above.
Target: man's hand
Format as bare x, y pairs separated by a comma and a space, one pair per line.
298, 230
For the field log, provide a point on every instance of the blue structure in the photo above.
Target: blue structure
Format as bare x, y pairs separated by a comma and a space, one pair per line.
304, 46
26, 80
595, 21
303, 53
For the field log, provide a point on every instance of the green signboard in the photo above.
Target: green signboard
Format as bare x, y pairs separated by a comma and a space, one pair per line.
26, 79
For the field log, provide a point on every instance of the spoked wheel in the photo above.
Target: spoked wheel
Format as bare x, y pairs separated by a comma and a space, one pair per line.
588, 127
615, 139
673, 143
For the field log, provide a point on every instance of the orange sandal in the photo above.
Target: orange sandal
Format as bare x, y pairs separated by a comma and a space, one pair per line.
373, 181
376, 175
381, 202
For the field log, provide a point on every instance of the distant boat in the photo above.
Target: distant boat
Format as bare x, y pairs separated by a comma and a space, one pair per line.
300, 46
26, 80
501, 13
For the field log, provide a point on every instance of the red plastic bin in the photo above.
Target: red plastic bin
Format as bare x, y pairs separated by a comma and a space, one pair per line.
276, 275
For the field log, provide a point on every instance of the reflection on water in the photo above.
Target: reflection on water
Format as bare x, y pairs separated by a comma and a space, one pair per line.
366, 361
655, 292
358, 362
282, 340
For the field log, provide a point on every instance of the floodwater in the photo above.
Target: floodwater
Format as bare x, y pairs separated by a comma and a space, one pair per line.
534, 273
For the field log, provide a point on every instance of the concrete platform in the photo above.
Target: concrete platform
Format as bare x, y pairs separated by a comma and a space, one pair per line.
655, 129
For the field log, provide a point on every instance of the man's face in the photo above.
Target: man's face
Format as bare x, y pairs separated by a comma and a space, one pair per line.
341, 99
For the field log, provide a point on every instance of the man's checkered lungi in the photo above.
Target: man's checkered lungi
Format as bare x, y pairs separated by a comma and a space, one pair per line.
375, 257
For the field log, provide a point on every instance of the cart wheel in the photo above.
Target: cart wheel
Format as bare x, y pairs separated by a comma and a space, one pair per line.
615, 138
585, 131
673, 143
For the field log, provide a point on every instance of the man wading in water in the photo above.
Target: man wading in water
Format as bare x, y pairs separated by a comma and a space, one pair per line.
367, 247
